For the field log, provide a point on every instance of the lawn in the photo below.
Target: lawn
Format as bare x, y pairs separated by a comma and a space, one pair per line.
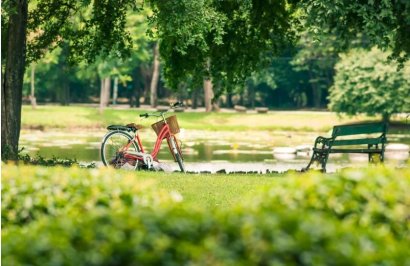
72, 117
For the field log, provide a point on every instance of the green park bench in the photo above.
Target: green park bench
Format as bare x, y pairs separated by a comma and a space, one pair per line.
345, 140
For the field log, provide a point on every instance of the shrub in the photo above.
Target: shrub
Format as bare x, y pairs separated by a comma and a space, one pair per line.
357, 217
377, 197
29, 193
175, 236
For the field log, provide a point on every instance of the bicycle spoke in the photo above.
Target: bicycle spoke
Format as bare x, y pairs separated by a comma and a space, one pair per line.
112, 151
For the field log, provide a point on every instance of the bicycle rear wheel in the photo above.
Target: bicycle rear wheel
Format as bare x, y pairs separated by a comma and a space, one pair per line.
113, 153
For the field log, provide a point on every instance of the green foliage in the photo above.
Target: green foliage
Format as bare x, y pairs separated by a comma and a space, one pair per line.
357, 217
317, 58
54, 161
225, 40
90, 28
32, 193
367, 82
52, 71
386, 23
376, 198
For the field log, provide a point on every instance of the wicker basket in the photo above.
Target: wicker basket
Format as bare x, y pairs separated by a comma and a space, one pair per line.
172, 122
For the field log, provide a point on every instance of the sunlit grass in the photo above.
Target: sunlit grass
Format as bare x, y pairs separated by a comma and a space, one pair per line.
206, 190
73, 117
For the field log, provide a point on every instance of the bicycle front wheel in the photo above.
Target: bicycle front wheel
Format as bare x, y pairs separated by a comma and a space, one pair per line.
177, 153
114, 152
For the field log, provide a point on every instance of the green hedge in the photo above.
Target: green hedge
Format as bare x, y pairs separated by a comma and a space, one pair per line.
32, 192
375, 197
358, 217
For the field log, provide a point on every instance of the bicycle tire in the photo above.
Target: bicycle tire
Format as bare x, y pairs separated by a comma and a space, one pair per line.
178, 155
110, 156
180, 162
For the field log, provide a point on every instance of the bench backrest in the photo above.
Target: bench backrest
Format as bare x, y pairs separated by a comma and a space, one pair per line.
356, 129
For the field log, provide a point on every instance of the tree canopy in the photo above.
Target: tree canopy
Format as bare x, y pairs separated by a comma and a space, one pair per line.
224, 40
385, 22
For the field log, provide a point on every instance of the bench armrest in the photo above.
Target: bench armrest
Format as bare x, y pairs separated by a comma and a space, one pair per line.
324, 141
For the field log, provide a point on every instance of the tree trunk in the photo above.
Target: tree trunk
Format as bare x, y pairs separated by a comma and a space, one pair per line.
32, 81
137, 85
194, 99
208, 94
386, 117
107, 89
104, 93
155, 77
316, 91
12, 87
64, 90
229, 102
115, 91
251, 96
137, 96
317, 95
241, 98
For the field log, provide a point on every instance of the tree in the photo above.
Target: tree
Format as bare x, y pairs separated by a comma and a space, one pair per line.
155, 77
231, 35
367, 82
386, 23
14, 61
32, 87
317, 58
266, 78
30, 31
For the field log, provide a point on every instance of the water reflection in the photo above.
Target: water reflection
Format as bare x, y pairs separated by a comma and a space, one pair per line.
203, 150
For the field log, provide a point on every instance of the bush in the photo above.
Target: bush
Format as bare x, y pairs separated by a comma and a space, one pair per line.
29, 193
355, 217
377, 197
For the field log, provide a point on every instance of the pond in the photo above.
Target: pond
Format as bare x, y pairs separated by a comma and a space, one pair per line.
205, 150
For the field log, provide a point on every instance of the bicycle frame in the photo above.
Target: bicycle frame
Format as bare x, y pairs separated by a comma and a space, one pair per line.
165, 133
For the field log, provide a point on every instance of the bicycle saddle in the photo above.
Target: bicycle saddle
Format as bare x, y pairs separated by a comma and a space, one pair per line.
130, 127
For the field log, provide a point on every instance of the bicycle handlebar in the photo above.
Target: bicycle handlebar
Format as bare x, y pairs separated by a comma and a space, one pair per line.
177, 104
173, 106
144, 115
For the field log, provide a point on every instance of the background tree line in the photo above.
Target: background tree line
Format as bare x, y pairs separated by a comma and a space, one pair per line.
300, 76
259, 51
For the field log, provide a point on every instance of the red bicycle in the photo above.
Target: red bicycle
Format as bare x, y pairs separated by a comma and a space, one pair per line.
121, 148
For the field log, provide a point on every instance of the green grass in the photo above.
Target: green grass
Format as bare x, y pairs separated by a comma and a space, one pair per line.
72, 117
210, 191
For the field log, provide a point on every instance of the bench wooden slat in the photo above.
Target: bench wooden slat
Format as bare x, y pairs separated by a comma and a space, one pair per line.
372, 141
349, 150
367, 128
355, 150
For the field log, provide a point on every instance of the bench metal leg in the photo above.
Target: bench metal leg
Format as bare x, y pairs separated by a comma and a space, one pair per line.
372, 154
324, 158
320, 157
312, 159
